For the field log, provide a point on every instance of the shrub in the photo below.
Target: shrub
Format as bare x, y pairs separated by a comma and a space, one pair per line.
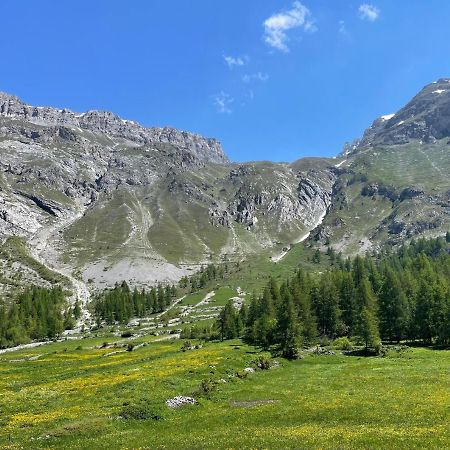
186, 346
291, 352
343, 343
263, 363
324, 341
139, 411
130, 347
126, 334
379, 349
207, 387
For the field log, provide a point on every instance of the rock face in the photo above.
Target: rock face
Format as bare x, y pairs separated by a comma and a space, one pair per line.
117, 200
426, 118
107, 123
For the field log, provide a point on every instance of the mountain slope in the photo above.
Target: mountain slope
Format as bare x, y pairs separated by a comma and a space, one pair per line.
109, 199
105, 199
394, 183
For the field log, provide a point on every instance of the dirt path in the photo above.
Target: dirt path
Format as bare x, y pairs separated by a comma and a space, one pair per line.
23, 347
175, 303
205, 300
433, 165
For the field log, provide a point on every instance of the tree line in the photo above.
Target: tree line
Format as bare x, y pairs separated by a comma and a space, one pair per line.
205, 275
397, 296
35, 314
120, 304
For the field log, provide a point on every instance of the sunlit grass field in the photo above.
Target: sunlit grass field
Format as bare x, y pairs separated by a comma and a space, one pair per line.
72, 398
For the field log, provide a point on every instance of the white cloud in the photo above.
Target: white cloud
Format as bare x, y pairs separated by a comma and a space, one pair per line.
343, 30
368, 12
277, 25
232, 61
258, 76
222, 102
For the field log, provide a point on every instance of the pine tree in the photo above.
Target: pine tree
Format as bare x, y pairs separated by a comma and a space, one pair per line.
228, 322
327, 307
366, 322
288, 327
394, 308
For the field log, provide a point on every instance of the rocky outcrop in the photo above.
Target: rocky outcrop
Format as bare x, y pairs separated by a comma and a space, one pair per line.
288, 201
62, 121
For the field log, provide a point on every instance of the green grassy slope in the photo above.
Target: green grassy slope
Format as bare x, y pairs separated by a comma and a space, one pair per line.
415, 174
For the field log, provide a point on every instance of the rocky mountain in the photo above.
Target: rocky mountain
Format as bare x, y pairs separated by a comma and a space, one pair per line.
105, 199
97, 199
425, 118
394, 182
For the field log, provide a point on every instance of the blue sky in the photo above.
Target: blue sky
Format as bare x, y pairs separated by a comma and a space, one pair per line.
271, 79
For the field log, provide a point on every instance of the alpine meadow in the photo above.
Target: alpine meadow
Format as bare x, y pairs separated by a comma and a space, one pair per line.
160, 292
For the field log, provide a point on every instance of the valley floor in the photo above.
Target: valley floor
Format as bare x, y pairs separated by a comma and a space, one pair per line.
76, 395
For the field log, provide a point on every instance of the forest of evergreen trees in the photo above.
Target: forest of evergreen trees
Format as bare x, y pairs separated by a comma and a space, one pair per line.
401, 296
37, 313
205, 275
120, 304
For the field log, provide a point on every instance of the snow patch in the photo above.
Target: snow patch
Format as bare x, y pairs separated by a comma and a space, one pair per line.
387, 117
279, 257
439, 91
340, 164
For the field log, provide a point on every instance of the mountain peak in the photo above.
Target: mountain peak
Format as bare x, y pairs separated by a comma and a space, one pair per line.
425, 118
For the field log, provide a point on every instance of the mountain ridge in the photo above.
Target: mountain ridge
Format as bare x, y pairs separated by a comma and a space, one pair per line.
107, 122
110, 199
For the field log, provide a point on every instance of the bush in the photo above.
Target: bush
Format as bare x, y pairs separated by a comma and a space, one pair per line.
324, 341
130, 347
291, 352
343, 343
126, 334
139, 411
379, 349
207, 387
263, 363
186, 346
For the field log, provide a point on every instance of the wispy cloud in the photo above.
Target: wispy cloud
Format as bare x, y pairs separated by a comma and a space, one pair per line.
343, 29
232, 61
258, 76
368, 12
223, 102
277, 25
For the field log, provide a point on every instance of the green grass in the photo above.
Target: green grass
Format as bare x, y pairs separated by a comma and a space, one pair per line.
72, 399
193, 299
410, 165
253, 273
222, 295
